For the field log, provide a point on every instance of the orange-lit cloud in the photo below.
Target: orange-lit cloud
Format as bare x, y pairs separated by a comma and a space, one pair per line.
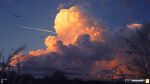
69, 24
17, 59
134, 26
112, 69
72, 22
80, 44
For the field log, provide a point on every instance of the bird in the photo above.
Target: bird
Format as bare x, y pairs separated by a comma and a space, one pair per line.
17, 16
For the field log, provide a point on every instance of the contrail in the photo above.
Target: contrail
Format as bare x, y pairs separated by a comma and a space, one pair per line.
36, 29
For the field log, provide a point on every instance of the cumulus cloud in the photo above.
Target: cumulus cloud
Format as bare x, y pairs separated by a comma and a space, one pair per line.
79, 45
134, 26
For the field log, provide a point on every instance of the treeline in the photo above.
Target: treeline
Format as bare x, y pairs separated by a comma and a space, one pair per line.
58, 77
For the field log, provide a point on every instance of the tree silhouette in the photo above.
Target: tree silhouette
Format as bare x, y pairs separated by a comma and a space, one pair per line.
59, 75
140, 50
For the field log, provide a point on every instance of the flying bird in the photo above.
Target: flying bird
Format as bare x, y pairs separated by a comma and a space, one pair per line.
43, 30
17, 16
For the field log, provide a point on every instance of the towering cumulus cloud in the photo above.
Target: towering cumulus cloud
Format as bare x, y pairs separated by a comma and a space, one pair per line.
69, 25
79, 45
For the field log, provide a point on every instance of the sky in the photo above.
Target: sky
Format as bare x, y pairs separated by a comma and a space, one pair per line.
41, 14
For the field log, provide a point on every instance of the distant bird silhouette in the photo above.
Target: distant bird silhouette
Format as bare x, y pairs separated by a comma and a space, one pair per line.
17, 16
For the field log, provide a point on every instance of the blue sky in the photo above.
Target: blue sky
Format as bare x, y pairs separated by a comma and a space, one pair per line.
41, 14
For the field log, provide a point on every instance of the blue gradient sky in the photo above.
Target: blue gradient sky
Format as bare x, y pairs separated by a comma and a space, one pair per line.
41, 14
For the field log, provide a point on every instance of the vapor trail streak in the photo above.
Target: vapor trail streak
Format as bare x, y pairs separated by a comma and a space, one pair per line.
36, 29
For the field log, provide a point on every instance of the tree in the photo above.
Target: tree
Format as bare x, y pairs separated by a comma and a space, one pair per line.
139, 49
17, 51
59, 75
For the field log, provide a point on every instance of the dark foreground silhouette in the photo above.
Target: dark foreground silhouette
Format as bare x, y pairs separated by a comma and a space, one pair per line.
57, 78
